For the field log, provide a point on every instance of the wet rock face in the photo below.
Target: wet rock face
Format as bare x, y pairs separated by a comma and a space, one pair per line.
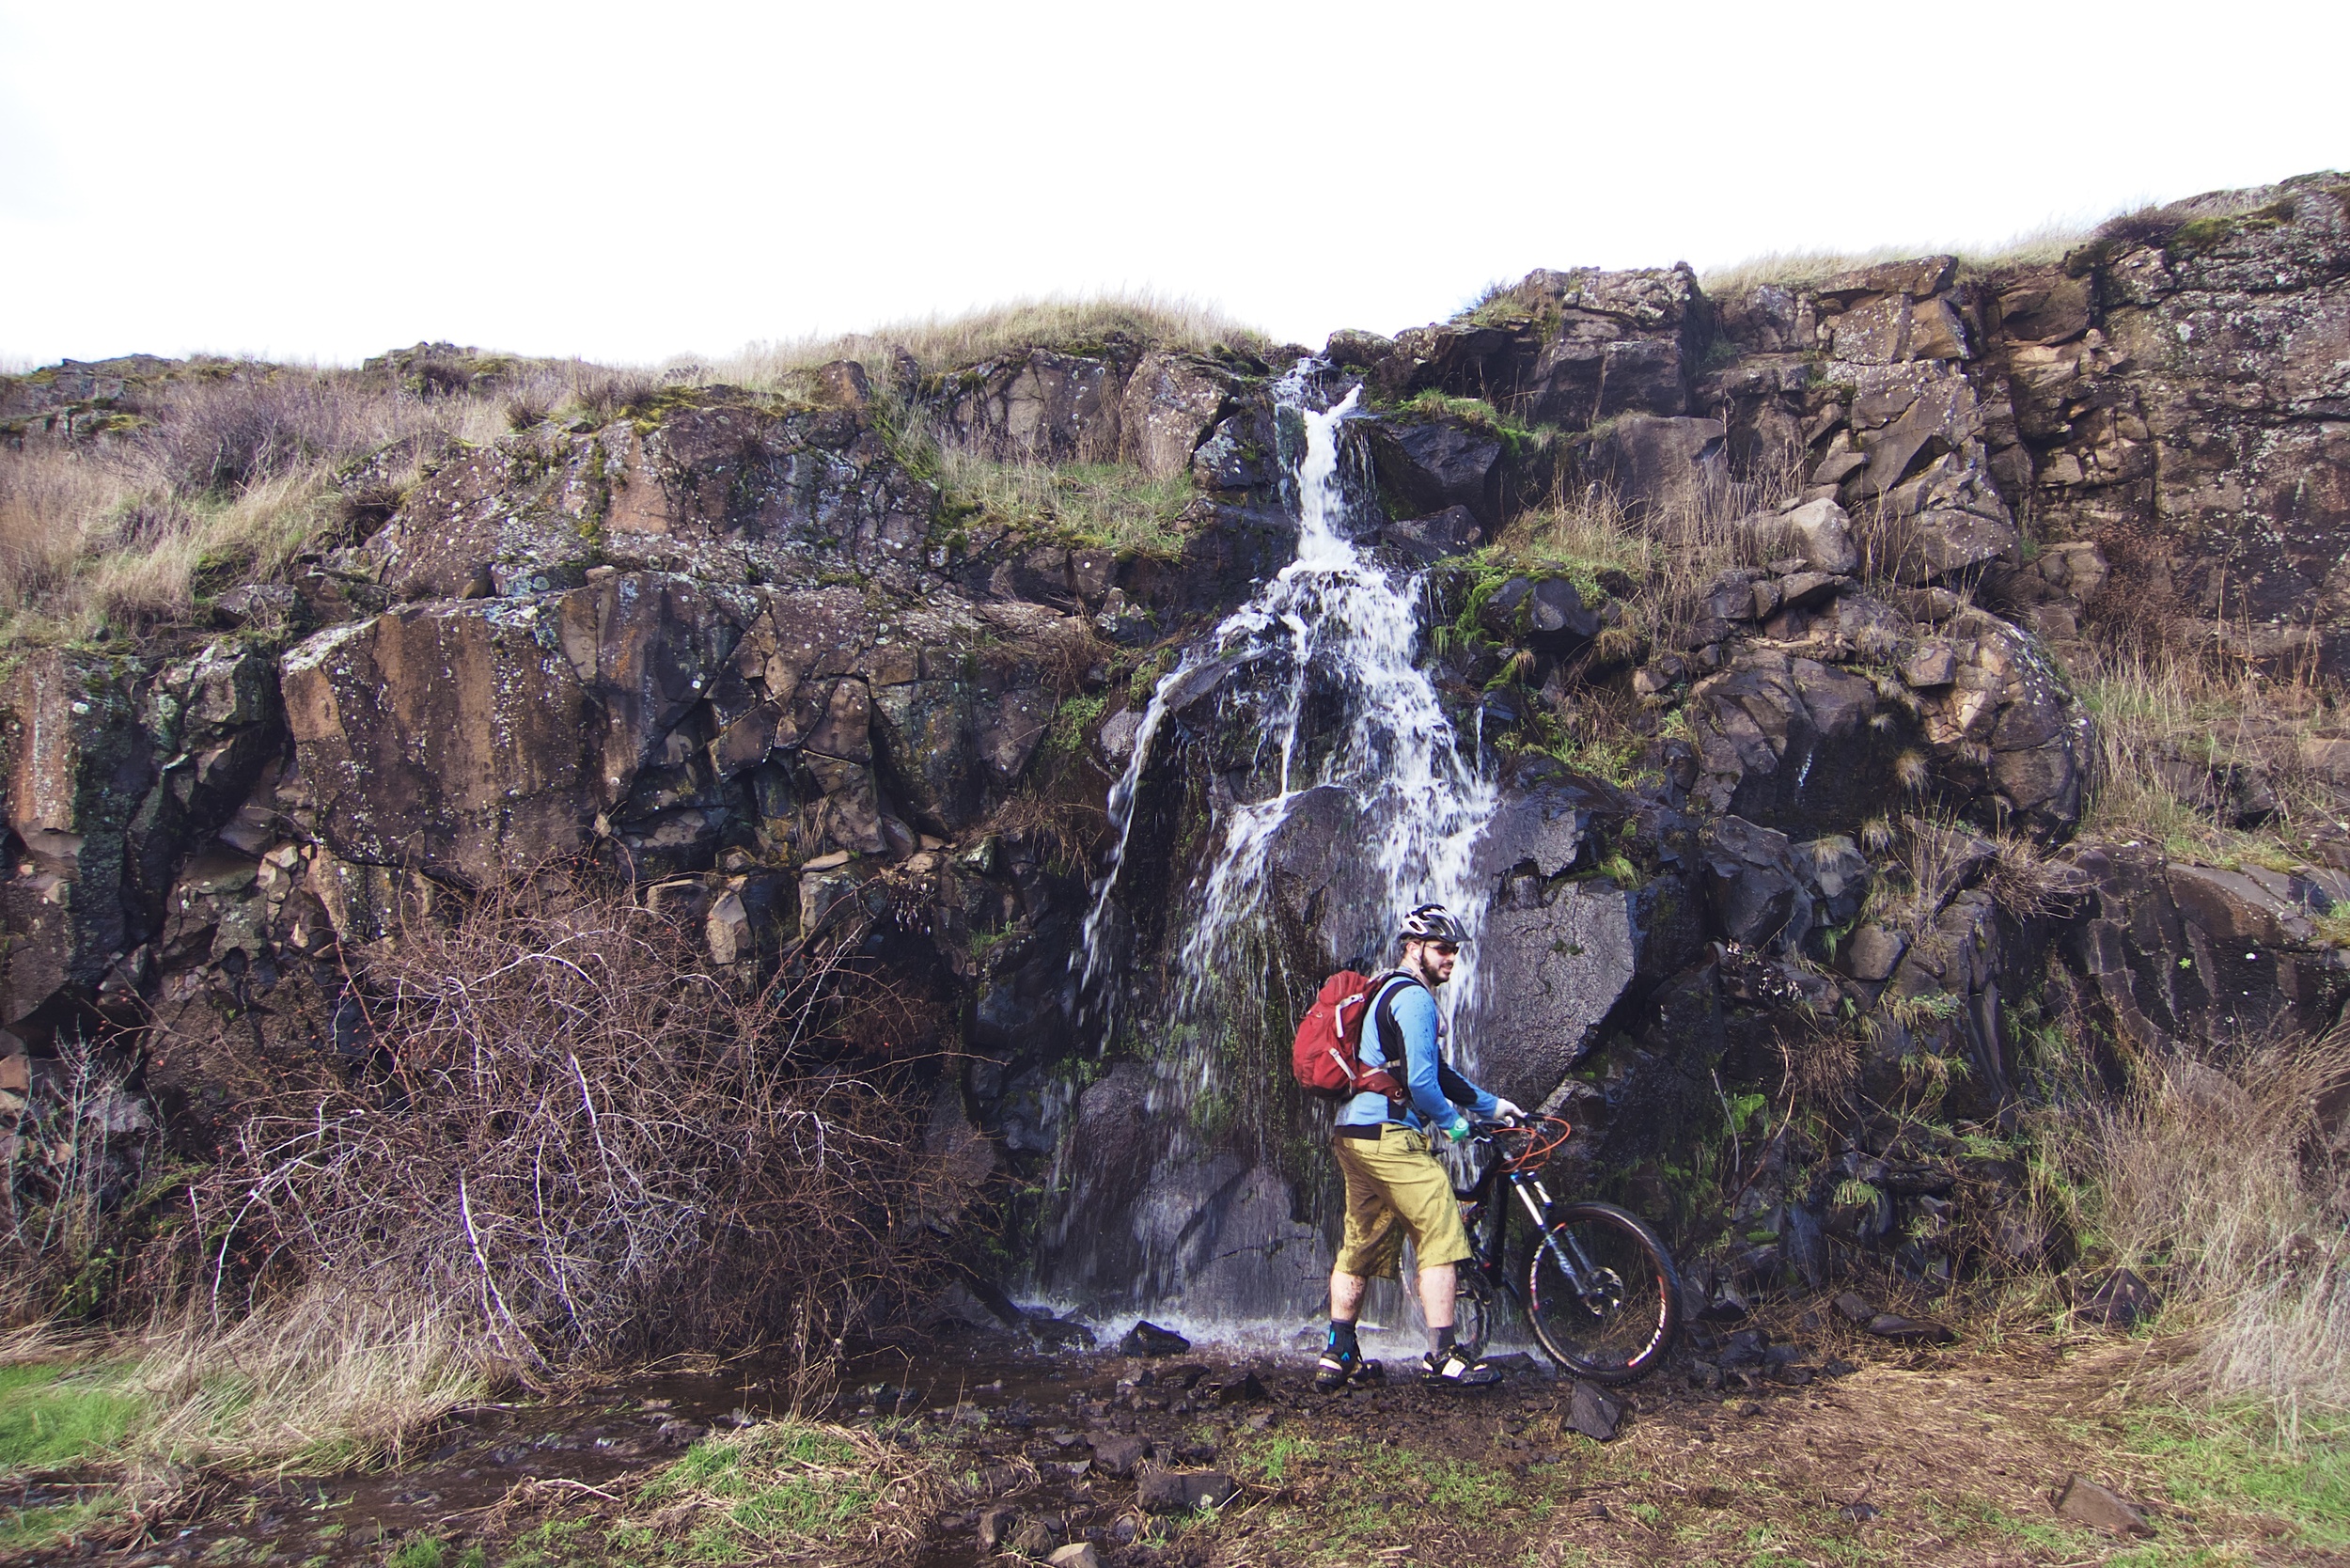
1550, 967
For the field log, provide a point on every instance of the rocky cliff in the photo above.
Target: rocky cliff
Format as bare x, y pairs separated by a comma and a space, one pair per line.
1792, 793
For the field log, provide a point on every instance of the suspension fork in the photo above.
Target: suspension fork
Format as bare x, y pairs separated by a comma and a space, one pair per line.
1536, 1199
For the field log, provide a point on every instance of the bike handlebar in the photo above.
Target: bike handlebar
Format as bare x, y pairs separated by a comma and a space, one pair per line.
1542, 1133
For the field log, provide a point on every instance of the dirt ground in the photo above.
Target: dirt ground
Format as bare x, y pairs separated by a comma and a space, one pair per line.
1847, 1452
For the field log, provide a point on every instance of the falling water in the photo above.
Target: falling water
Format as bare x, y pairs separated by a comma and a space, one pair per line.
1336, 621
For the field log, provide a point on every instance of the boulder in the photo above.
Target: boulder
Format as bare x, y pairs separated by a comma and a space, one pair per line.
1551, 963
1758, 896
1818, 531
1557, 618
1916, 278
1039, 405
1147, 1339
2119, 1300
476, 738
1428, 539
80, 763
1430, 465
1654, 464
1791, 743
1169, 404
1871, 952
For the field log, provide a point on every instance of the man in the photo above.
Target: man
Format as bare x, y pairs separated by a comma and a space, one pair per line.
1394, 1182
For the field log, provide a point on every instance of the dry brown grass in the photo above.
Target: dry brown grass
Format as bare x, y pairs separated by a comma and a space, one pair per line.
2221, 1181
938, 343
2167, 718
222, 473
328, 1379
2049, 241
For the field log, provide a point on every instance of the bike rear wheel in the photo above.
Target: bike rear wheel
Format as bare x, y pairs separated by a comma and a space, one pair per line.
1602, 1293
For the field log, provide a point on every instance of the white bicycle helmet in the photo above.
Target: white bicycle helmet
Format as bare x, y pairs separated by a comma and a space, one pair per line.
1431, 922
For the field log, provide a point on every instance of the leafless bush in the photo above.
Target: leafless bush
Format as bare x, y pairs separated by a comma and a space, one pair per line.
579, 1144
73, 1162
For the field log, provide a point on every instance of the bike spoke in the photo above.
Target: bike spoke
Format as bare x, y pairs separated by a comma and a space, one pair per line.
1600, 1294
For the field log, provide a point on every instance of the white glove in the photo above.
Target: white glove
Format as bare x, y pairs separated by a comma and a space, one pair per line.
1507, 1111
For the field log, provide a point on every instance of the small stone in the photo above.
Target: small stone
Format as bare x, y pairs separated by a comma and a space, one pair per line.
996, 1525
1857, 1512
1892, 1325
1118, 1454
2092, 1504
2119, 1300
1180, 1491
1596, 1510
1593, 1412
1749, 1409
1245, 1389
1147, 1339
1854, 1310
1078, 1553
1033, 1538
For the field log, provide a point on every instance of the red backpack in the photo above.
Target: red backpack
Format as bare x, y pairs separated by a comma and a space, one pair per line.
1327, 1055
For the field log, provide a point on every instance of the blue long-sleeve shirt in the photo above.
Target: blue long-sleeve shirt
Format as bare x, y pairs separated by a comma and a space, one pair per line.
1435, 1087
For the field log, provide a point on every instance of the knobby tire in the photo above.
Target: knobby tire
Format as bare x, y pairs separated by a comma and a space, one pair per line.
1611, 1336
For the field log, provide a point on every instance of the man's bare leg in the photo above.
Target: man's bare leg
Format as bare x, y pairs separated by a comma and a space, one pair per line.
1438, 1283
1346, 1296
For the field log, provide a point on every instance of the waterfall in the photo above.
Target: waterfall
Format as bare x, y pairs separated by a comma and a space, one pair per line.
1336, 618
1317, 696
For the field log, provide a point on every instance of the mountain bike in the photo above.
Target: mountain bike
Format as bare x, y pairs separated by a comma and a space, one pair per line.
1600, 1290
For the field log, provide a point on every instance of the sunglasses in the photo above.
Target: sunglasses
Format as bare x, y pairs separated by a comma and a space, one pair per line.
1444, 949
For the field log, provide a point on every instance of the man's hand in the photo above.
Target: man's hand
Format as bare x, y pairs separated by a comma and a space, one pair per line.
1507, 1111
1458, 1130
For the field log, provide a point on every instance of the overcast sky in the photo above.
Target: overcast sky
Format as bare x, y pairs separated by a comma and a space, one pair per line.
323, 181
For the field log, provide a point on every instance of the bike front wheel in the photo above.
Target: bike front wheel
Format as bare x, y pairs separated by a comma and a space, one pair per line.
1602, 1293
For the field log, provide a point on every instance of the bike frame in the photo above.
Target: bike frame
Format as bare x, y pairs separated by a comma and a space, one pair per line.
1488, 1222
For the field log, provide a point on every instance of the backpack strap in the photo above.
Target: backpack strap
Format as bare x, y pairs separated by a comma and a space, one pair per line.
1382, 991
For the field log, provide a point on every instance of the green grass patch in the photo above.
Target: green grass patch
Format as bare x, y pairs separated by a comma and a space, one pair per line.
32, 1529
2232, 1458
1098, 506
53, 1416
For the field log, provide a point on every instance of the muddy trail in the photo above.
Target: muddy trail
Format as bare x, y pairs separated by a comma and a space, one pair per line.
1813, 1444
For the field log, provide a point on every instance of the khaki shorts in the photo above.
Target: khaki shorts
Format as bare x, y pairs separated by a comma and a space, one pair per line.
1392, 1186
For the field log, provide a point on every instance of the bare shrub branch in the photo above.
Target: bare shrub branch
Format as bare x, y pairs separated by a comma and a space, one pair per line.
581, 1144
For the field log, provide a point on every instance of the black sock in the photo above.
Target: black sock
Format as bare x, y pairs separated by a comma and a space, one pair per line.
1343, 1338
1444, 1341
